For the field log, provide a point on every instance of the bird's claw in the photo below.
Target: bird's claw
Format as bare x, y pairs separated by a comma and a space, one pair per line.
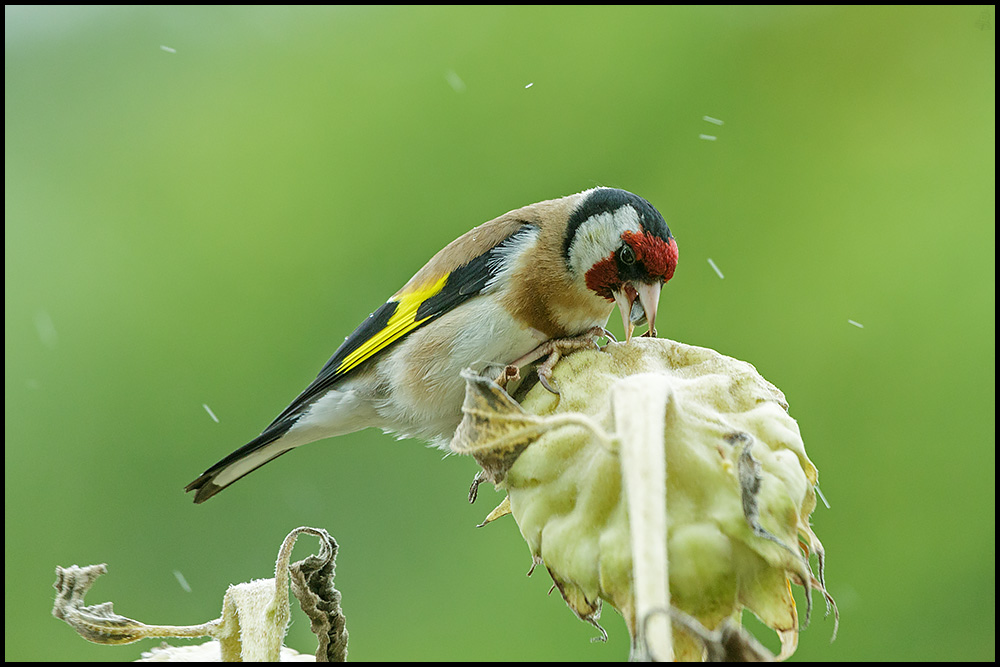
545, 376
553, 350
604, 333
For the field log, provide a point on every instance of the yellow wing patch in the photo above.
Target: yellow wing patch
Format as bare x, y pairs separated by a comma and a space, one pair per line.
402, 322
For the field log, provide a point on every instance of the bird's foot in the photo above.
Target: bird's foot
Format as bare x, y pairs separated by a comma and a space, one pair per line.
553, 350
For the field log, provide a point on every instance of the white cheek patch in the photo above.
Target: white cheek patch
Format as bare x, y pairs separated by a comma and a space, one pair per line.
599, 236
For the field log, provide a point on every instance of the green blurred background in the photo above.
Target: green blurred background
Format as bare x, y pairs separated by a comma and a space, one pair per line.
200, 203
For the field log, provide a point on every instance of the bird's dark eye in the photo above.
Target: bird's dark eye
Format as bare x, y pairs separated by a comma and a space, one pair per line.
626, 254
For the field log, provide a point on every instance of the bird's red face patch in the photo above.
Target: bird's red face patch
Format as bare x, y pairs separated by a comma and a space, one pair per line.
655, 257
603, 277
658, 256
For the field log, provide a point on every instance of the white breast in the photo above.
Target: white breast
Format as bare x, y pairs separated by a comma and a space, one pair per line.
422, 374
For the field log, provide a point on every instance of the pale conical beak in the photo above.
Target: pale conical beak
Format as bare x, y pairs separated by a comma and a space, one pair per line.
648, 295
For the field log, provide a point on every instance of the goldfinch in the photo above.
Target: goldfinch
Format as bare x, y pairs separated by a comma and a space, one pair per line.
534, 282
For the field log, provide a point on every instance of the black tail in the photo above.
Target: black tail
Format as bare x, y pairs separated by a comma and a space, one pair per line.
264, 448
